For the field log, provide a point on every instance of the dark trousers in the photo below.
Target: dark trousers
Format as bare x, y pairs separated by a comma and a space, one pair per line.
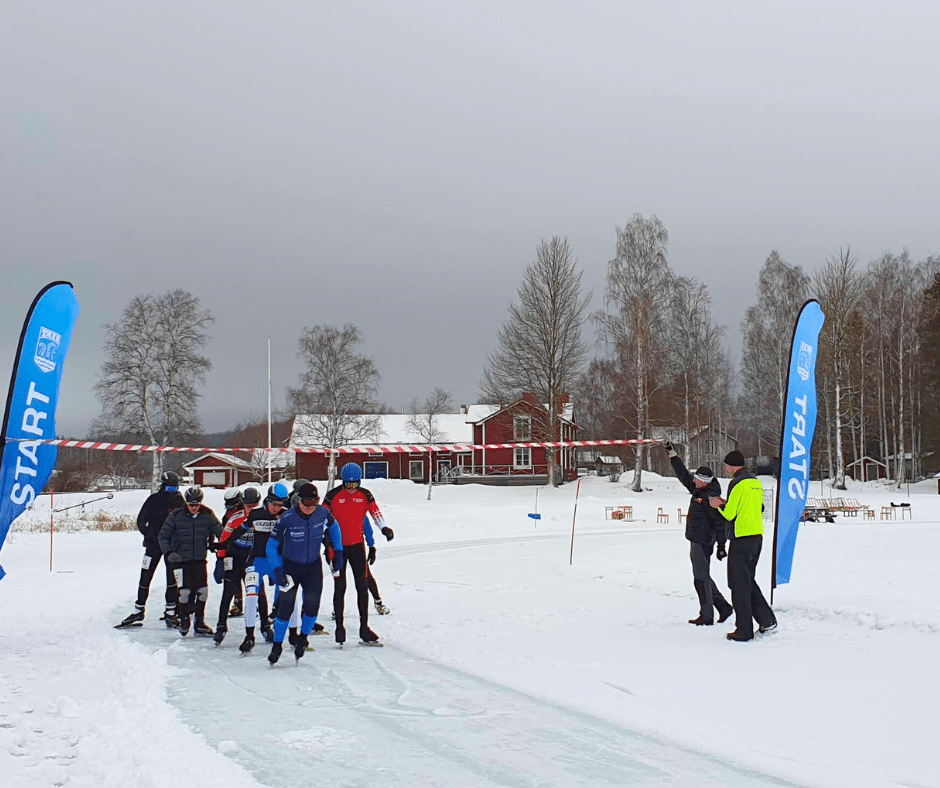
746, 596
355, 558
309, 578
192, 578
152, 556
232, 584
709, 597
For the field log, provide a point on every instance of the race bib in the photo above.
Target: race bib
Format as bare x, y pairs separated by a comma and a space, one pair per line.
145, 564
229, 563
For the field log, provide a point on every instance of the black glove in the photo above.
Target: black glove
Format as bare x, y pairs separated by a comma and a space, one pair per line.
213, 547
173, 558
720, 552
388, 533
670, 449
279, 576
219, 572
372, 555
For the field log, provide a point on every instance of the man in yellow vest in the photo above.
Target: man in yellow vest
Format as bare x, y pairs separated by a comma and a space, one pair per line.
745, 529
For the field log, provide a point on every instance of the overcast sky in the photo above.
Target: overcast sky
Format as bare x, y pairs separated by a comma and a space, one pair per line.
394, 165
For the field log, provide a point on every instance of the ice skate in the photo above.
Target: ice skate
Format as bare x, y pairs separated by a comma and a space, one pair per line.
220, 631
368, 637
275, 654
201, 628
184, 625
135, 619
300, 647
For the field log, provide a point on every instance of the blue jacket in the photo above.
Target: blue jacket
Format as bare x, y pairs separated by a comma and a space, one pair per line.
297, 538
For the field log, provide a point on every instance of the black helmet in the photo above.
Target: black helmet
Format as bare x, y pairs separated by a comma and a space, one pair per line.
193, 494
299, 482
232, 497
170, 479
251, 496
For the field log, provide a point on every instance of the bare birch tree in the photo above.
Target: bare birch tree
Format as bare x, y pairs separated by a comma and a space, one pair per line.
337, 392
152, 368
838, 287
423, 419
768, 331
639, 285
540, 349
694, 344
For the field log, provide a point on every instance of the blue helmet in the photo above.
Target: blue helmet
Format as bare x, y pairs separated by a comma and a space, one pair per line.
351, 472
278, 493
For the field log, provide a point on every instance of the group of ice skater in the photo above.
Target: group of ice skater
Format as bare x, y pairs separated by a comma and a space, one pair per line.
282, 538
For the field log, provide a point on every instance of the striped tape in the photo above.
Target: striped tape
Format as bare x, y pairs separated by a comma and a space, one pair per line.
398, 448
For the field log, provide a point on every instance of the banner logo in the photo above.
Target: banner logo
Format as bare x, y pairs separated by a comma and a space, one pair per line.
47, 349
804, 365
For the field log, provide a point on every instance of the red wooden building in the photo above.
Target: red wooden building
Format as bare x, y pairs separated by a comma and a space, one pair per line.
525, 420
219, 470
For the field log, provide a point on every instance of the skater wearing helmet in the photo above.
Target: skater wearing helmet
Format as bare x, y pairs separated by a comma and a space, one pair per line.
293, 550
235, 551
152, 515
234, 505
255, 531
349, 504
185, 539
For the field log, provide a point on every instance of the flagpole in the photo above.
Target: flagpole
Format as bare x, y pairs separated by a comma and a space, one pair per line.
269, 410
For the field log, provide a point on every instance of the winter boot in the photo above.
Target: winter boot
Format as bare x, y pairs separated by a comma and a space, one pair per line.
184, 625
300, 646
340, 633
275, 654
220, 631
135, 619
249, 642
366, 635
200, 628
380, 608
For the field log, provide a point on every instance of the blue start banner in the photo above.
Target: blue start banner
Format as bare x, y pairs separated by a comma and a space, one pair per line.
34, 391
796, 440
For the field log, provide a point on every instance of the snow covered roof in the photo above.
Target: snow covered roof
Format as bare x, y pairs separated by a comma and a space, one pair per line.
393, 428
864, 459
229, 460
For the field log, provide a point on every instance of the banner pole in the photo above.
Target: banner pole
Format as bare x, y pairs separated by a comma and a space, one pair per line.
574, 517
51, 523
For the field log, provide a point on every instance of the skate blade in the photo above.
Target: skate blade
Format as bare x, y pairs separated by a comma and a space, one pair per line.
376, 644
129, 626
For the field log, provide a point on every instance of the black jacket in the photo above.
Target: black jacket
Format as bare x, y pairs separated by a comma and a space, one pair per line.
154, 513
703, 523
189, 535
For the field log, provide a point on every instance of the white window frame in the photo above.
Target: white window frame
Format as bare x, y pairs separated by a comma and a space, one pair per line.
524, 454
522, 434
411, 470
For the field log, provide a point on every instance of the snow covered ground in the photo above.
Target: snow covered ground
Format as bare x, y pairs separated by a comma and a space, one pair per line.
503, 666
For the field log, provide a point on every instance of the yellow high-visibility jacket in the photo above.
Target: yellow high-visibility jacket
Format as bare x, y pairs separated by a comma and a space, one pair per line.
744, 506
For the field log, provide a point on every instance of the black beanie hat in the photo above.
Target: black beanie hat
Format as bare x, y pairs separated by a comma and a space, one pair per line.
308, 490
734, 459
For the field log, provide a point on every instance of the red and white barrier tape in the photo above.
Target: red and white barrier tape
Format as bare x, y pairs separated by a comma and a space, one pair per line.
356, 449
